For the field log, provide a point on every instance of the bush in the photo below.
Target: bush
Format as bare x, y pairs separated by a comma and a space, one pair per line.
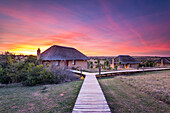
63, 75
115, 67
110, 68
30, 72
91, 64
75, 68
31, 59
11, 71
4, 78
38, 75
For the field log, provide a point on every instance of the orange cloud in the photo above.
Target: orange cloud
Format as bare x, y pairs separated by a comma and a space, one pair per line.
24, 28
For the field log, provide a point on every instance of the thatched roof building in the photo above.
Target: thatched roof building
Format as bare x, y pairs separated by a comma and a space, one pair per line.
163, 60
59, 56
56, 52
125, 59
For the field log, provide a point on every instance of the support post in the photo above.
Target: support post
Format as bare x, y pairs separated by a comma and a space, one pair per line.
81, 71
99, 71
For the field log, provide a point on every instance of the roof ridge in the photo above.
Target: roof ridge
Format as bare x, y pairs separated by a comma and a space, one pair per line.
123, 55
165, 60
62, 46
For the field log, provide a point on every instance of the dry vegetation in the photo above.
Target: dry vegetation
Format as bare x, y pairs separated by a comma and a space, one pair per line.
156, 84
143, 92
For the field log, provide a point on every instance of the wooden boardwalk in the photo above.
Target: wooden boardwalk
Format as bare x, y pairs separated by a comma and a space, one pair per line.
91, 98
122, 71
133, 71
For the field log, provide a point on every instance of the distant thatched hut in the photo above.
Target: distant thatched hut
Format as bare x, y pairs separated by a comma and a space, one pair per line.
125, 61
60, 56
163, 62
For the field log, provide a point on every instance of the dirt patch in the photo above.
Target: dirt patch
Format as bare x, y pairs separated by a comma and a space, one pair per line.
13, 107
36, 94
22, 110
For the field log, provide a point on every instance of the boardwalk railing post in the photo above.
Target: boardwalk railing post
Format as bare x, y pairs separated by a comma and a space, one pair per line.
99, 71
81, 71
143, 69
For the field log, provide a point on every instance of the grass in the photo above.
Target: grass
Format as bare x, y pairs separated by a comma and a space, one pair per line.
138, 93
156, 84
40, 99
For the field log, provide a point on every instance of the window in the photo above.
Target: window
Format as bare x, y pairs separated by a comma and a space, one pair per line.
73, 62
57, 63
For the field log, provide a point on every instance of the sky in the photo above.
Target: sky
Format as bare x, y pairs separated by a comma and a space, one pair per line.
94, 27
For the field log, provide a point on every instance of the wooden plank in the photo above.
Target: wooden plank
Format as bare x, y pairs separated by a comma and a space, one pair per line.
91, 110
122, 71
91, 98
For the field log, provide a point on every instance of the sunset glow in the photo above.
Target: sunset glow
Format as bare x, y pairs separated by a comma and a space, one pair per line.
95, 27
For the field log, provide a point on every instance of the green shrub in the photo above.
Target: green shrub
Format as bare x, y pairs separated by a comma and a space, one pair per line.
91, 64
30, 72
4, 77
75, 68
38, 75
31, 59
115, 67
110, 68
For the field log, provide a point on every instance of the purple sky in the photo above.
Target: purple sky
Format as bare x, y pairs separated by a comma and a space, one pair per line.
95, 27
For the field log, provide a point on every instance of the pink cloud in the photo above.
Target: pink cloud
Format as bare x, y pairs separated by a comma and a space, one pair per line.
34, 27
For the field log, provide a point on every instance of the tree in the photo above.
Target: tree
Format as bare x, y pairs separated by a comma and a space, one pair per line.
98, 63
91, 64
31, 59
115, 67
117, 62
106, 63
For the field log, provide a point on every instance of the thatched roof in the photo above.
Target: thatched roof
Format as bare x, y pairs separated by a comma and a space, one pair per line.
165, 60
125, 59
62, 53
